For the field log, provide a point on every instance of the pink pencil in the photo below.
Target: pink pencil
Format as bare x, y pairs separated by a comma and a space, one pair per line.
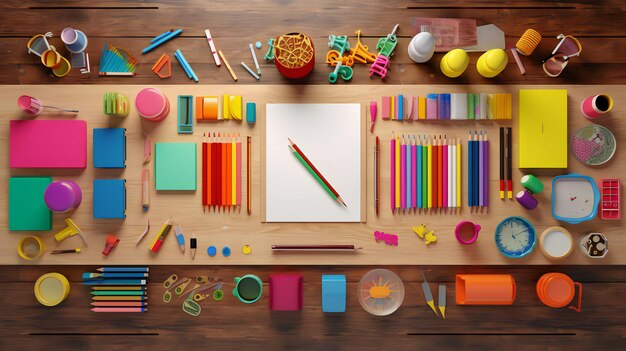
413, 173
393, 173
119, 304
121, 309
402, 175
445, 172
239, 174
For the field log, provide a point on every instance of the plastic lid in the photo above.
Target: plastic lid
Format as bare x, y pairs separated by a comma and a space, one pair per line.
226, 251
246, 249
559, 288
59, 196
150, 102
380, 292
51, 289
211, 251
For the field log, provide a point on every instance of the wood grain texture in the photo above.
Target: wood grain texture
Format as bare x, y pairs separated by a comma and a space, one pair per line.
229, 323
238, 229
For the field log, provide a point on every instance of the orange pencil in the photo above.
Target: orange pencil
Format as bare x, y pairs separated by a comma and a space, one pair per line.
223, 183
229, 173
439, 173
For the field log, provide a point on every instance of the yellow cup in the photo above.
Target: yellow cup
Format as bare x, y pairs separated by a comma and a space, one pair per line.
30, 247
51, 289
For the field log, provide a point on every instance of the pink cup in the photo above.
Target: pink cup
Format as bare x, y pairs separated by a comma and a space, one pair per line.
152, 104
596, 105
30, 105
466, 232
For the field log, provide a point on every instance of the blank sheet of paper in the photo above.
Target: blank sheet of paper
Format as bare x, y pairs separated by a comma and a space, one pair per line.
330, 136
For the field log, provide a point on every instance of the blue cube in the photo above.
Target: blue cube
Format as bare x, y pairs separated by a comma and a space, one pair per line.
333, 293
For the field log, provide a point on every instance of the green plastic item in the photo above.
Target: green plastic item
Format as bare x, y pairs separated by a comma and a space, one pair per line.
218, 295
175, 166
345, 72
191, 307
27, 209
340, 43
269, 56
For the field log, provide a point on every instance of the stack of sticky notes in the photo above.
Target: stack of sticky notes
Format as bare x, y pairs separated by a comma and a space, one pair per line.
232, 107
453, 106
109, 147
27, 209
175, 166
207, 109
116, 105
109, 198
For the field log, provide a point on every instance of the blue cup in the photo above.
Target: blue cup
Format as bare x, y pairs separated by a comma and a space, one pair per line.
75, 41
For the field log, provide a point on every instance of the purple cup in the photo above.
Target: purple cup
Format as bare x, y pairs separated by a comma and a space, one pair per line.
62, 196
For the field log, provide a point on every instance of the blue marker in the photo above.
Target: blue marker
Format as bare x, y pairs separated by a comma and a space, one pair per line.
160, 36
183, 62
162, 40
180, 238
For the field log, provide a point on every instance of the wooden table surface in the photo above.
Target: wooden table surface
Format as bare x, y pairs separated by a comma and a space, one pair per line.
601, 28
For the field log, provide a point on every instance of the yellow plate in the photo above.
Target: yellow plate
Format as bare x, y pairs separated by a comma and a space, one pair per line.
51, 289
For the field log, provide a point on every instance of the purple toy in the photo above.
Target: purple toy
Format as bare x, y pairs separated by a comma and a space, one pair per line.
62, 196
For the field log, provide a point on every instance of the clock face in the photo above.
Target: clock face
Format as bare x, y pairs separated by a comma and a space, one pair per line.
515, 237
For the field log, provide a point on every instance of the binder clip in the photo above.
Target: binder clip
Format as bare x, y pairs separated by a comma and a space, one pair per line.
110, 243
69, 231
163, 61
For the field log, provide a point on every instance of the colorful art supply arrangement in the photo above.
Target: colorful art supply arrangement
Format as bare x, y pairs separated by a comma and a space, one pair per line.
196, 290
118, 289
221, 173
478, 170
610, 190
117, 62
425, 173
453, 106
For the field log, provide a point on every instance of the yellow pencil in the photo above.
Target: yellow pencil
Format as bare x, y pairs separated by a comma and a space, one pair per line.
429, 174
233, 172
397, 172
232, 73
160, 236
458, 173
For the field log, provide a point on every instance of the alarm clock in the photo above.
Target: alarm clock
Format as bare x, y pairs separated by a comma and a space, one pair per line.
575, 198
515, 237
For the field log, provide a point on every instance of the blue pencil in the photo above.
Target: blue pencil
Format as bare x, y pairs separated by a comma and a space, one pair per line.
163, 40
114, 282
158, 37
400, 107
470, 171
183, 62
115, 275
419, 175
123, 269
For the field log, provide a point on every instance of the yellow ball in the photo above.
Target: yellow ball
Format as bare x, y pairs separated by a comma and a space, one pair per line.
454, 63
492, 62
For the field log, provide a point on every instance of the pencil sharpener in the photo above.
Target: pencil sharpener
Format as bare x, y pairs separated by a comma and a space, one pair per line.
110, 243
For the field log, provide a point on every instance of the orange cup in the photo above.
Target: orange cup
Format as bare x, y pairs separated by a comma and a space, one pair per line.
557, 290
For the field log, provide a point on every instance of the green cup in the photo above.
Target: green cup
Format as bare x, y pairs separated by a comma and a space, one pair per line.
248, 289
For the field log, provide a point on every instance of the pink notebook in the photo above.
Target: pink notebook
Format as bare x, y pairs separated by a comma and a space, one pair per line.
48, 144
285, 292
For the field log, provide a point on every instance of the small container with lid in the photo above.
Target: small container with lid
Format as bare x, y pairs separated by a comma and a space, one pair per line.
558, 290
152, 104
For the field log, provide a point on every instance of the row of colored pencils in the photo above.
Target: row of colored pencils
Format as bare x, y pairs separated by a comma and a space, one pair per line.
478, 169
221, 172
425, 172
118, 289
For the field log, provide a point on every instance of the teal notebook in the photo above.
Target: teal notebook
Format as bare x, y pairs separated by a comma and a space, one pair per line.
175, 166
27, 209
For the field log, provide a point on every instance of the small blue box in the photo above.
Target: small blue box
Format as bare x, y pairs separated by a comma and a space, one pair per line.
251, 112
109, 147
109, 198
333, 293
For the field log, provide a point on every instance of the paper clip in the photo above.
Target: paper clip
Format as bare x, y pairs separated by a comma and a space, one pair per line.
164, 60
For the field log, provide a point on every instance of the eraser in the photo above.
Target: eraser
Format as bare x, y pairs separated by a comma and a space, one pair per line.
251, 112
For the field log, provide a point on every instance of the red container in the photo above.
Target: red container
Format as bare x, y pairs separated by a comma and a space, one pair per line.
299, 72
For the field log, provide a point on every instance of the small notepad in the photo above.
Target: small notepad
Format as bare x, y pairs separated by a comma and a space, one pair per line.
109, 198
175, 166
27, 209
109, 147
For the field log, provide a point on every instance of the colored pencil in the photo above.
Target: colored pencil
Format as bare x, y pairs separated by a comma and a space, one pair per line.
248, 172
204, 172
118, 310
216, 158
120, 288
238, 170
377, 176
118, 293
481, 169
224, 174
486, 170
123, 269
209, 176
408, 147
419, 160
115, 275
319, 174
452, 150
458, 172
229, 174
392, 188
509, 162
444, 178
161, 235
56, 252
450, 175
476, 169
119, 298
230, 70
470, 171
502, 163
119, 304
114, 282
397, 172
403, 174
424, 174
158, 37
439, 173
312, 172
300, 248
429, 173
414, 192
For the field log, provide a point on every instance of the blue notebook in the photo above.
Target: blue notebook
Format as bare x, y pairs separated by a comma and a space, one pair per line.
109, 198
109, 147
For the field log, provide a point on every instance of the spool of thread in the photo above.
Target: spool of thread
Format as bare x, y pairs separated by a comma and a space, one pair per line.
526, 199
528, 42
75, 41
152, 104
532, 184
62, 196
30, 247
597, 105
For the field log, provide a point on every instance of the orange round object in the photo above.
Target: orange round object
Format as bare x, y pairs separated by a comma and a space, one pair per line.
557, 290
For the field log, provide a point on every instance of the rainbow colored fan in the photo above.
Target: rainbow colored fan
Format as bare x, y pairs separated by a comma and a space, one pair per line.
117, 62
380, 292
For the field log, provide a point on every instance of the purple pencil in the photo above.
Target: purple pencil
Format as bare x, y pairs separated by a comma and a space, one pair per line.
486, 171
393, 173
402, 174
481, 171
413, 173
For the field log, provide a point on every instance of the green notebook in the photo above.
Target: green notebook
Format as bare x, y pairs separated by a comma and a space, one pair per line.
27, 209
175, 166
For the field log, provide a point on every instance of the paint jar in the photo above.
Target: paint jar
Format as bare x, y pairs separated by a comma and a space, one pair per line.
556, 243
30, 247
466, 232
248, 289
294, 55
485, 289
75, 41
595, 245
51, 289
62, 196
557, 290
152, 104
597, 105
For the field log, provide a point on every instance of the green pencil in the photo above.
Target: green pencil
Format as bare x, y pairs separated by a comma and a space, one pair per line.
118, 293
308, 168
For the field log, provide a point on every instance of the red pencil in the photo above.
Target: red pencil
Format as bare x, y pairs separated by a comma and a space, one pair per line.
229, 172
204, 169
214, 170
207, 170
223, 179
